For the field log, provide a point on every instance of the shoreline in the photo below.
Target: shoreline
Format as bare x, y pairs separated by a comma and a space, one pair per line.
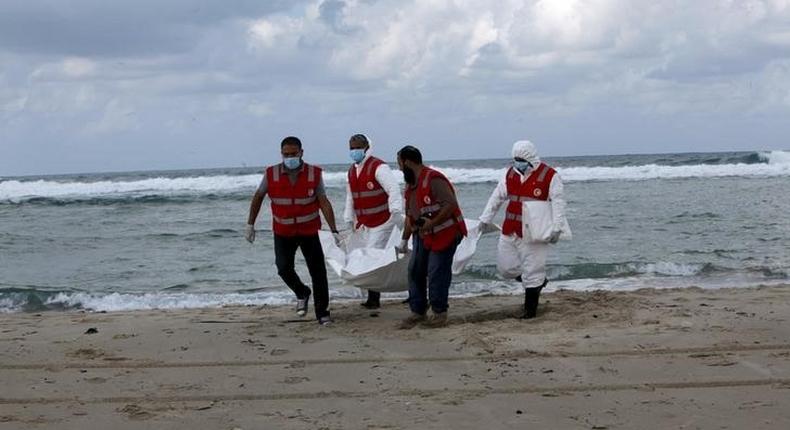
669, 358
164, 300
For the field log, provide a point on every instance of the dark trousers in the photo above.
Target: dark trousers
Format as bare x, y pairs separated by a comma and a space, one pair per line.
430, 273
285, 254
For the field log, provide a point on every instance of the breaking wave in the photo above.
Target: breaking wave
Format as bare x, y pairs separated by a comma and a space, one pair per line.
186, 189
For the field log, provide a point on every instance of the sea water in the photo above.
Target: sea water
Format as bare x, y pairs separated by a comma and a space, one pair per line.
174, 239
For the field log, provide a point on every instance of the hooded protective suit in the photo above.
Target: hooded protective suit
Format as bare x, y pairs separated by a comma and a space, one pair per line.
518, 254
374, 237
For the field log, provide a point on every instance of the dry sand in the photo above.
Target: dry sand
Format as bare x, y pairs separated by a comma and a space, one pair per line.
680, 359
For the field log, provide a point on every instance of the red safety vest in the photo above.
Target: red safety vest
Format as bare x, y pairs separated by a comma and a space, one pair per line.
536, 187
442, 235
294, 206
371, 203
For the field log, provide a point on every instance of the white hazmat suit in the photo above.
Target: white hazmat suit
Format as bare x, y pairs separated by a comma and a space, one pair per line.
523, 256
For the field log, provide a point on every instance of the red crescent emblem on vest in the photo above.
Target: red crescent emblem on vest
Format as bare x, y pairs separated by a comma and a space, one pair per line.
427, 200
370, 185
537, 192
310, 192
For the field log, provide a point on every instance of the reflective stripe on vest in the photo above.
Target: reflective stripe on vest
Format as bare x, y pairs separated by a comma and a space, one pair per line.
515, 198
310, 173
514, 217
286, 201
370, 211
297, 220
428, 209
364, 194
542, 175
449, 223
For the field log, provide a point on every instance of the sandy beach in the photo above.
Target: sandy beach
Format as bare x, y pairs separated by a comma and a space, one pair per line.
687, 359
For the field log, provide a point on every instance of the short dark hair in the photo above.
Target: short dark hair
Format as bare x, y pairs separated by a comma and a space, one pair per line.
291, 140
410, 153
359, 138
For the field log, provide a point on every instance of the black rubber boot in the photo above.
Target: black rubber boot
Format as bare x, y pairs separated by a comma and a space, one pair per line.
374, 300
531, 296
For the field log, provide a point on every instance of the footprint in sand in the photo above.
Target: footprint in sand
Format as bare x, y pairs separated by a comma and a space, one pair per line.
135, 412
86, 353
295, 379
278, 351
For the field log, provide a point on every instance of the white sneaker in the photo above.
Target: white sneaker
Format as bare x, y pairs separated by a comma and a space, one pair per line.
301, 306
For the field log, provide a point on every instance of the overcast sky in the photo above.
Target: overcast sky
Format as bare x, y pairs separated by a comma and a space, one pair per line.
97, 85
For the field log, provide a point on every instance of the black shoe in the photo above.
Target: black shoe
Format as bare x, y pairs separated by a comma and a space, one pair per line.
374, 300
531, 297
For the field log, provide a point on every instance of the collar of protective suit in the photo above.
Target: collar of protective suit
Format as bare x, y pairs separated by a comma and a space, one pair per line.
361, 164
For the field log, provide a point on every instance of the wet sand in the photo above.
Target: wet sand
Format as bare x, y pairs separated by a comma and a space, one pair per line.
681, 359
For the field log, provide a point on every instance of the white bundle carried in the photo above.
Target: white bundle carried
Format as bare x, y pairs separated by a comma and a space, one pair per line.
382, 269
539, 221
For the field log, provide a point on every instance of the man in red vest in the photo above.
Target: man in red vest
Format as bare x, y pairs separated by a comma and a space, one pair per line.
296, 191
433, 215
373, 201
520, 258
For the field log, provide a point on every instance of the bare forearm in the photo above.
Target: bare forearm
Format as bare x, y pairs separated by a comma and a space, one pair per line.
329, 213
255, 207
444, 214
407, 229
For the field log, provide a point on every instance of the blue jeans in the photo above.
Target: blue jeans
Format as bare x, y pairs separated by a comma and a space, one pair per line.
430, 273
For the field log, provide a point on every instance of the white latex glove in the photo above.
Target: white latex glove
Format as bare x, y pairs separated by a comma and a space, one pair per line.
249, 233
554, 237
403, 248
338, 239
398, 219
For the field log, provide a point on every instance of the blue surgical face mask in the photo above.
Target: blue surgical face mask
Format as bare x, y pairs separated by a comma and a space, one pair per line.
522, 166
292, 162
357, 155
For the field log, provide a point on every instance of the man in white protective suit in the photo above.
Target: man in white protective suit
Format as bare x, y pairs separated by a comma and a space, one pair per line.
529, 185
374, 203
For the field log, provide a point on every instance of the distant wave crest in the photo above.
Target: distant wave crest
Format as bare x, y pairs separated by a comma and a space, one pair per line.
763, 164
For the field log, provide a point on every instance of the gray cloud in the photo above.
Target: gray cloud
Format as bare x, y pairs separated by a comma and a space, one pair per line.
117, 29
94, 85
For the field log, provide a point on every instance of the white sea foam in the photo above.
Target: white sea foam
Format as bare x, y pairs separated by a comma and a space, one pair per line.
164, 300
123, 302
667, 268
776, 163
